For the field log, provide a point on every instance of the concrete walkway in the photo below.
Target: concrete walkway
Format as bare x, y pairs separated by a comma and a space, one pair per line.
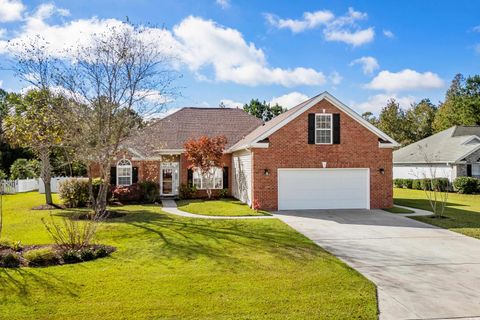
416, 212
170, 206
421, 272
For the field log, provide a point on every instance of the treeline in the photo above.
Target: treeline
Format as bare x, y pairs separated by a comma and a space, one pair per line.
460, 107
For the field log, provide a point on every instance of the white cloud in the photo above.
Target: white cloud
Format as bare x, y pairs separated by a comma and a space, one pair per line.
11, 10
310, 20
476, 28
289, 100
1, 83
3, 33
406, 79
224, 4
369, 64
335, 78
388, 34
231, 104
342, 28
197, 43
205, 43
375, 103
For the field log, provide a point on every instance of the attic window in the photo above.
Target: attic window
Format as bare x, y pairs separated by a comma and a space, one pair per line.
323, 128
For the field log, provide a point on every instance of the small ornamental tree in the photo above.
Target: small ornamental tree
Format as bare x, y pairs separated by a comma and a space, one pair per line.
204, 155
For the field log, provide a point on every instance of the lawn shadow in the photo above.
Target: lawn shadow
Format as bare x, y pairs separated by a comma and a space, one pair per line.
18, 281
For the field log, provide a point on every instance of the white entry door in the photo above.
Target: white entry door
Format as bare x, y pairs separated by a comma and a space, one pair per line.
169, 178
323, 188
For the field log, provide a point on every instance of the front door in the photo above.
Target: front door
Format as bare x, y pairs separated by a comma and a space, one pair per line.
169, 178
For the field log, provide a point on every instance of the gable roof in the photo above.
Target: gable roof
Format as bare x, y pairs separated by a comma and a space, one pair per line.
171, 132
281, 120
448, 146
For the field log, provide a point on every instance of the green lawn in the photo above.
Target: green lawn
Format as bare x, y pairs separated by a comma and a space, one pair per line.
395, 209
169, 267
463, 210
222, 207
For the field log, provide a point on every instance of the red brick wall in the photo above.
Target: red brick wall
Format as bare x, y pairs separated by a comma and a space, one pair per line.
184, 164
288, 148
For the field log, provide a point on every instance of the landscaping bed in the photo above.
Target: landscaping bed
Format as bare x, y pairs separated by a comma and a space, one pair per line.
15, 255
219, 207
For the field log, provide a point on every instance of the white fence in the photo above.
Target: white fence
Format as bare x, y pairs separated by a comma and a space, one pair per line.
54, 184
21, 185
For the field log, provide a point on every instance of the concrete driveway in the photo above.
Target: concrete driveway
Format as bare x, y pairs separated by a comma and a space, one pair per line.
421, 272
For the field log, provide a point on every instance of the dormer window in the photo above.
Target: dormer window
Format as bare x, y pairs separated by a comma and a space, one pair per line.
323, 128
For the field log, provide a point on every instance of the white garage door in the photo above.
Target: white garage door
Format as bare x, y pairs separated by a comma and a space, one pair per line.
323, 189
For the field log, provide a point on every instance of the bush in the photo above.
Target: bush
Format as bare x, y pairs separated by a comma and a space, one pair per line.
41, 257
467, 185
416, 184
398, 183
187, 191
441, 184
101, 252
74, 192
87, 254
71, 256
223, 193
407, 183
10, 260
3, 175
131, 193
24, 169
150, 191
9, 244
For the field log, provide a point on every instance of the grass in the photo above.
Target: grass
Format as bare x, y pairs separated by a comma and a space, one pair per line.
222, 207
395, 209
169, 267
462, 210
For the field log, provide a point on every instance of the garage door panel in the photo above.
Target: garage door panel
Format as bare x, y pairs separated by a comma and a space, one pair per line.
323, 189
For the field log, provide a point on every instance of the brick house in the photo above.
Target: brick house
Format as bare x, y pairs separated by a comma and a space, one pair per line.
319, 154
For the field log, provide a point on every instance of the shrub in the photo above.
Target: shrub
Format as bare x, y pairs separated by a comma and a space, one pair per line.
467, 185
9, 244
187, 191
101, 252
398, 183
10, 260
87, 254
131, 193
150, 191
74, 192
71, 256
441, 184
416, 184
3, 175
24, 169
407, 183
223, 193
41, 257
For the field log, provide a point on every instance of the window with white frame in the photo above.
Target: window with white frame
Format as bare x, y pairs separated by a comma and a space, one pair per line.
214, 180
124, 172
323, 128
476, 170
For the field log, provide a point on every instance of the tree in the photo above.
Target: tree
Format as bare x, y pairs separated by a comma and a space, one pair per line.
32, 123
392, 121
461, 105
204, 155
25, 169
419, 121
263, 110
370, 118
121, 71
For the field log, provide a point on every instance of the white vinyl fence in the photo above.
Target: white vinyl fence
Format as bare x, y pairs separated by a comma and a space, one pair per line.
54, 184
20, 185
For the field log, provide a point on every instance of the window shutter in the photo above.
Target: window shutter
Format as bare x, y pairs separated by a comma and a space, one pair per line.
134, 174
189, 177
336, 128
311, 128
225, 177
469, 170
113, 176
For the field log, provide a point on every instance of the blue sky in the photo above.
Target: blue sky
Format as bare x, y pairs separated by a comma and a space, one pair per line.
363, 52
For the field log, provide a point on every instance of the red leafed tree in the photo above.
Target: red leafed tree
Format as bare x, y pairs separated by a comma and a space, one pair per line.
205, 154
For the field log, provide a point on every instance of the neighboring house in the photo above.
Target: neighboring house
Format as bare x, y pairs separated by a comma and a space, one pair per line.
448, 154
317, 155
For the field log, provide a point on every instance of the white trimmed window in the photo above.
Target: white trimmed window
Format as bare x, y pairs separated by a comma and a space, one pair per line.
476, 169
124, 172
214, 181
323, 128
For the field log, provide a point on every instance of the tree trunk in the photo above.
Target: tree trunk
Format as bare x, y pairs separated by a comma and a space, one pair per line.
46, 174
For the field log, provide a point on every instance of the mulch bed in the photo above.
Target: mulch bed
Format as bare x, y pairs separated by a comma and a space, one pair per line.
48, 207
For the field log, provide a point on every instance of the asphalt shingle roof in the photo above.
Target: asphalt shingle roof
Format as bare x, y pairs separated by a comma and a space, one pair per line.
450, 145
174, 130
